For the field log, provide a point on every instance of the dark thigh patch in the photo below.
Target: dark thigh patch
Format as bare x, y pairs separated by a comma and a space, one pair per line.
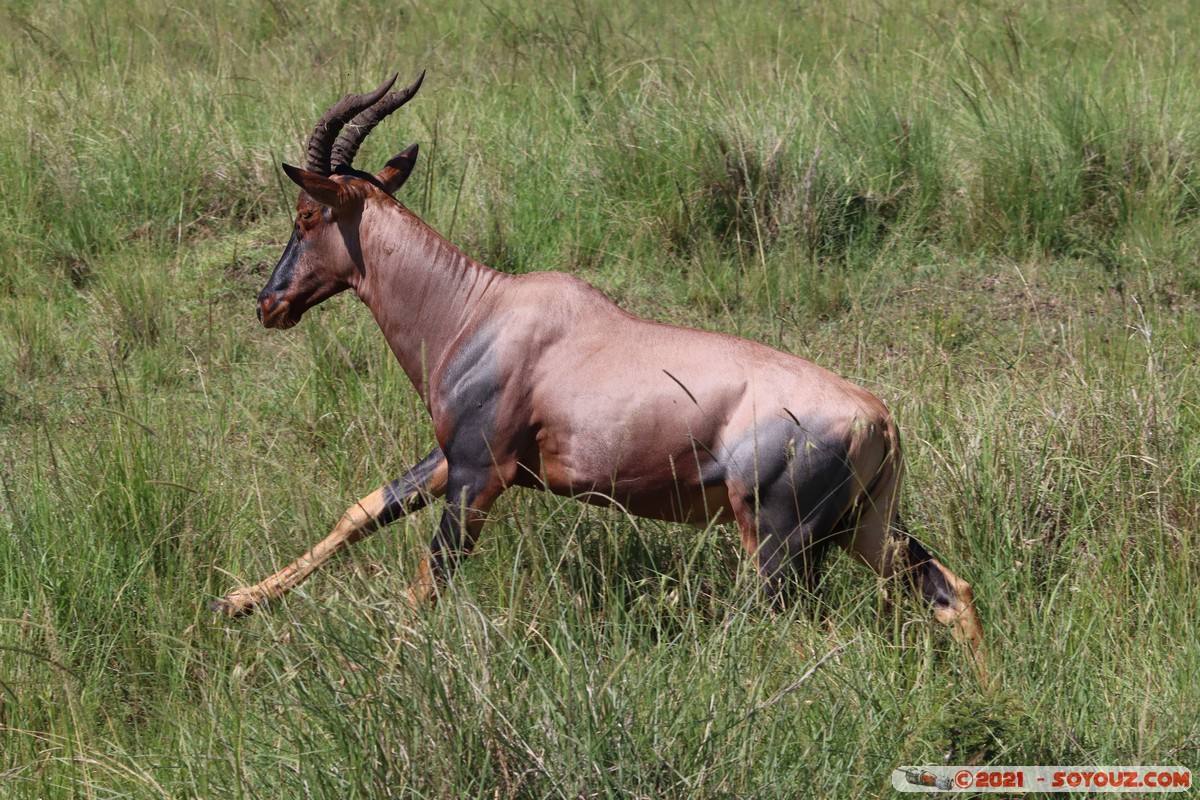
793, 476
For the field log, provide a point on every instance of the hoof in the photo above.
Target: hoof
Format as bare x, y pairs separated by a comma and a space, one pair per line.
234, 609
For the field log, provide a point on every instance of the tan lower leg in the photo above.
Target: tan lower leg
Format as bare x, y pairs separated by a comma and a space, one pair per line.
357, 523
423, 590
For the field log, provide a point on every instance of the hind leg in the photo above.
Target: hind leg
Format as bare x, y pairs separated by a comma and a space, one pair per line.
784, 547
883, 544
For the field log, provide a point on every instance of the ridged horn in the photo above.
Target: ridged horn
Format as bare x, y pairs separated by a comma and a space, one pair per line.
352, 138
331, 123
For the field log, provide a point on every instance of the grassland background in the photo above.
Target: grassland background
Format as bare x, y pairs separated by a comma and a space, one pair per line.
987, 213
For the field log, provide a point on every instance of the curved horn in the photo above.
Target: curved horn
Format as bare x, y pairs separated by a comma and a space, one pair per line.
333, 120
352, 138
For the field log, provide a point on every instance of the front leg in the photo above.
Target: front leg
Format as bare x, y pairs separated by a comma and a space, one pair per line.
401, 497
470, 493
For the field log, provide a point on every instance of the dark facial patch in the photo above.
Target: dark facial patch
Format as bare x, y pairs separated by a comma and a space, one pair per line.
926, 576
281, 277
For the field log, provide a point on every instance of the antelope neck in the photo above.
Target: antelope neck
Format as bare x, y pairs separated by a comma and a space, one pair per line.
422, 290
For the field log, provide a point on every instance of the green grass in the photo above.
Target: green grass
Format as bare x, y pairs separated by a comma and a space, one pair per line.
986, 214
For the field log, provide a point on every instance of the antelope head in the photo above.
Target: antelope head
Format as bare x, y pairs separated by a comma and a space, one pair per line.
323, 254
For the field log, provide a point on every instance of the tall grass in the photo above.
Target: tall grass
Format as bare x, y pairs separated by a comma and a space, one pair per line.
986, 214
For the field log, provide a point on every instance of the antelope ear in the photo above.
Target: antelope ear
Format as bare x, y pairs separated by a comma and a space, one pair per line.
396, 171
324, 190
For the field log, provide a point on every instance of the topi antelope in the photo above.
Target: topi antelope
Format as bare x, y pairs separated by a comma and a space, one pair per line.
541, 381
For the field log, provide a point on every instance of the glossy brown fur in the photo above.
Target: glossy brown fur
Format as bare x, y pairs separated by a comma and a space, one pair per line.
541, 381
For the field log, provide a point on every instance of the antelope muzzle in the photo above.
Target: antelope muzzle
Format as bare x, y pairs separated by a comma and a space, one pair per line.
275, 312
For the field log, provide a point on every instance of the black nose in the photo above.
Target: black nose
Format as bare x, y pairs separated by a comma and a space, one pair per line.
259, 310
